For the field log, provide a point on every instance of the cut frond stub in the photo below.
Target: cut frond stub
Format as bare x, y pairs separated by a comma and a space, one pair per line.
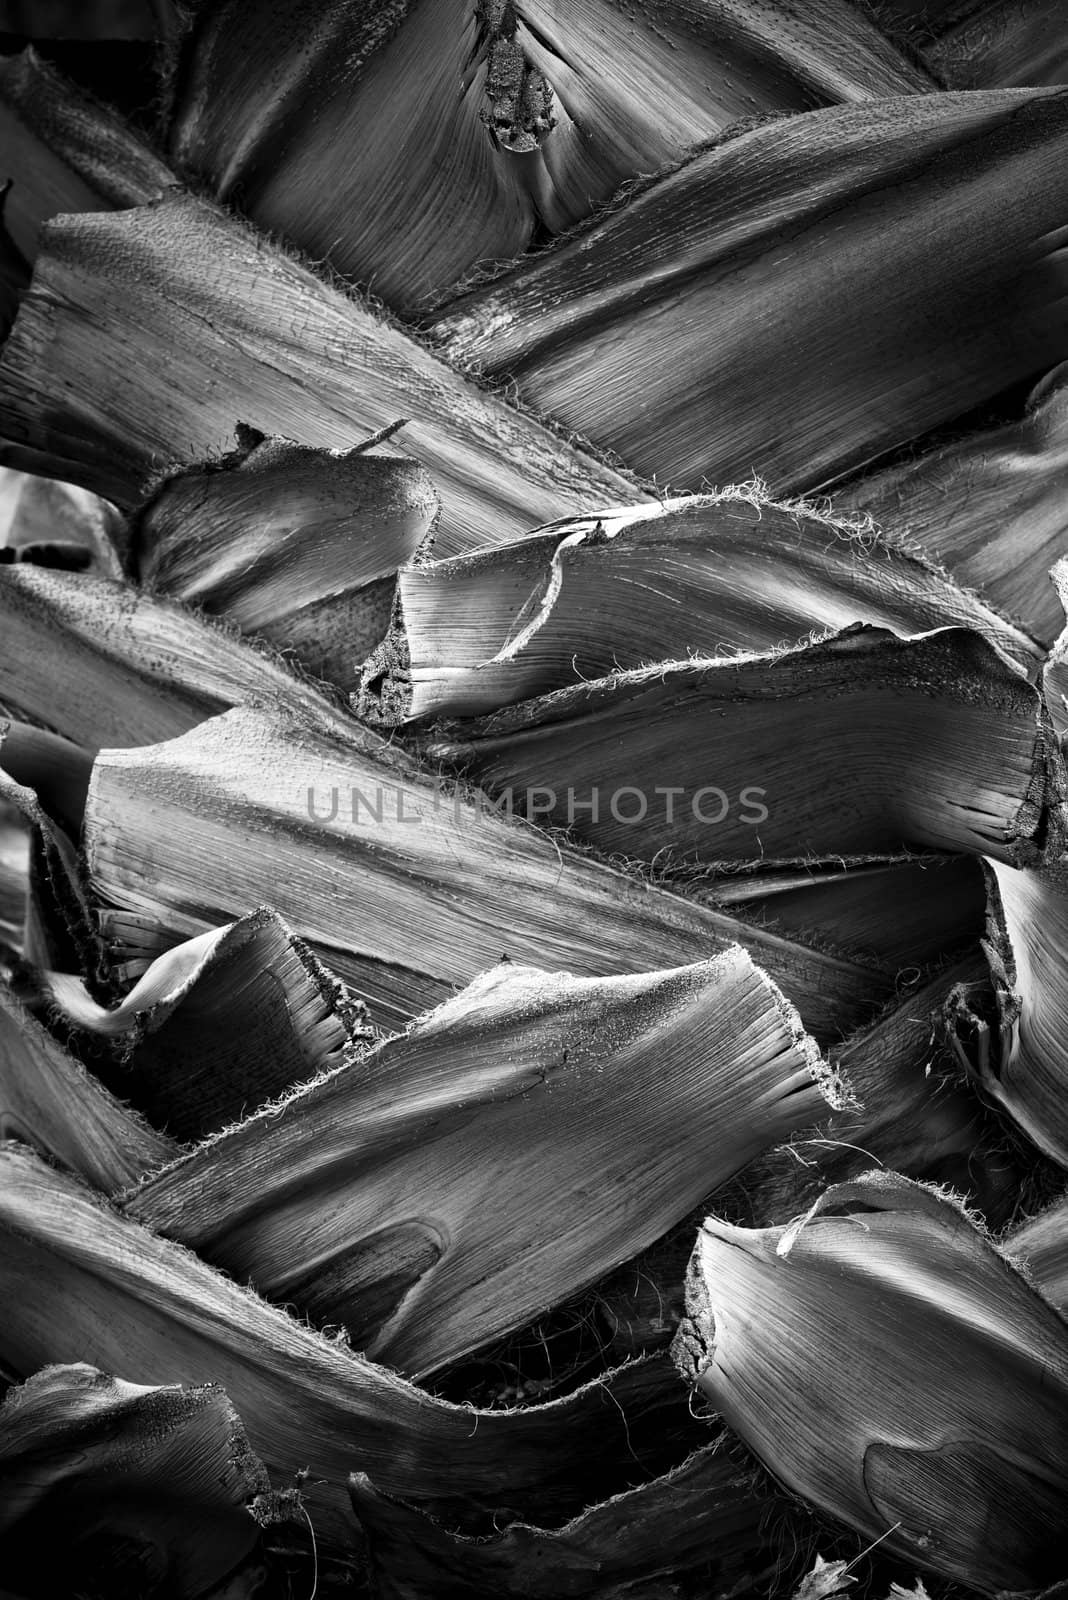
707, 575
436, 1193
219, 1025
229, 329
885, 1362
861, 744
356, 845
296, 545
110, 1488
1013, 1035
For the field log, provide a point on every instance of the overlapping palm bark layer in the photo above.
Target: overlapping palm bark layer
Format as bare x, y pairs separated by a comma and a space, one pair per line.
476, 817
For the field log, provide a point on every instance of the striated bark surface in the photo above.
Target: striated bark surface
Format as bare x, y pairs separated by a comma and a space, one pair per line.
435, 1193
707, 575
496, 122
801, 299
699, 762
228, 329
945, 1433
357, 845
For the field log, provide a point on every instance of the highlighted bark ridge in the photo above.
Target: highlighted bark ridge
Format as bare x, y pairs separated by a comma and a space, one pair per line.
598, 331
296, 545
246, 334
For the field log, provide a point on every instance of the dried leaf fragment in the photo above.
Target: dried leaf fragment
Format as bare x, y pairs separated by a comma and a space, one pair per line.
826, 1578
289, 543
123, 667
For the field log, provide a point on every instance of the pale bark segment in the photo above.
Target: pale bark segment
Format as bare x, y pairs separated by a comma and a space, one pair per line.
228, 329
702, 575
498, 1107
799, 300
405, 886
863, 743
